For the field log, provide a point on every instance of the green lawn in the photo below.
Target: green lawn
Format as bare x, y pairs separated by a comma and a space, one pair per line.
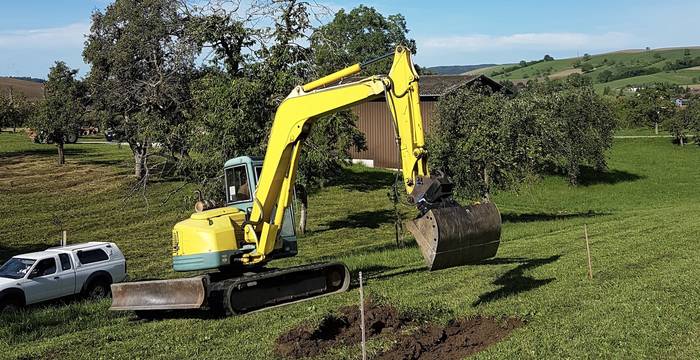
642, 217
610, 61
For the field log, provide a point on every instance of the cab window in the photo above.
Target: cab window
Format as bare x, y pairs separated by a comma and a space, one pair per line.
258, 171
65, 262
44, 267
237, 185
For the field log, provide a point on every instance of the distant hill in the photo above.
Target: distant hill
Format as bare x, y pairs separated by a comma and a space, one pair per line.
457, 69
614, 70
40, 81
32, 89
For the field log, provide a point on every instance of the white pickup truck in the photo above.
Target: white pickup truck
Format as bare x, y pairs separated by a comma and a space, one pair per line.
87, 269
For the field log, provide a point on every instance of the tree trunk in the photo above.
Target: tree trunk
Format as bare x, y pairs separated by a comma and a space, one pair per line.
656, 128
681, 138
303, 197
486, 196
139, 161
61, 153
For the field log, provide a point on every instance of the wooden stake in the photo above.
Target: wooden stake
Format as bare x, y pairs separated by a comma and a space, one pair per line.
588, 251
64, 238
362, 319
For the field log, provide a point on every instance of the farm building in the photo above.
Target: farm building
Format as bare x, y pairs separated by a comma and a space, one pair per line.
376, 123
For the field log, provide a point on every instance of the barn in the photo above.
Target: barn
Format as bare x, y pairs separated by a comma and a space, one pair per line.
374, 119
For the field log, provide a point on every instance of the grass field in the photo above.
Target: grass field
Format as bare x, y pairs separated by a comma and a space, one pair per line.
642, 217
657, 58
30, 89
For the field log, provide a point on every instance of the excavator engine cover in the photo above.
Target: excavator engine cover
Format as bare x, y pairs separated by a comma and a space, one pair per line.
456, 235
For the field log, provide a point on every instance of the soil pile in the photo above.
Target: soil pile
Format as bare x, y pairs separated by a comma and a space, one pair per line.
342, 329
458, 339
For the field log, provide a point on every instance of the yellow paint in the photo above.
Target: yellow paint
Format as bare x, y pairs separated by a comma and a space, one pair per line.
209, 231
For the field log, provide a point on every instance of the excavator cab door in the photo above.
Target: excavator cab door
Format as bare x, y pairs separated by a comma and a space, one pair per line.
241, 180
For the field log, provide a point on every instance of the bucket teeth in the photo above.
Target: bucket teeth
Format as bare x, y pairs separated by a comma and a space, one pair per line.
454, 236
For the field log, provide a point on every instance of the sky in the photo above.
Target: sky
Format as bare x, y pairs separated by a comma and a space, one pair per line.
36, 33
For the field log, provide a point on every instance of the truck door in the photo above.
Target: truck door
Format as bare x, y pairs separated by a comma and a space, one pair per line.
42, 282
66, 276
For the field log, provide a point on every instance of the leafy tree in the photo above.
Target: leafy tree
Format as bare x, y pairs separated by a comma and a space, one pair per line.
586, 57
15, 110
654, 106
679, 125
141, 64
523, 63
488, 141
361, 34
59, 114
605, 76
548, 58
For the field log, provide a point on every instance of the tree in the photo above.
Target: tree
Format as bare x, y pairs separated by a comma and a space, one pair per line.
483, 141
679, 125
605, 76
548, 58
586, 57
141, 64
654, 106
15, 110
61, 111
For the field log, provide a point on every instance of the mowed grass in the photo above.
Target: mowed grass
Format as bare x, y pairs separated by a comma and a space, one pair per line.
642, 218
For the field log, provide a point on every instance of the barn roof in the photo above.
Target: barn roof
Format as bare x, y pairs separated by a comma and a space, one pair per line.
433, 86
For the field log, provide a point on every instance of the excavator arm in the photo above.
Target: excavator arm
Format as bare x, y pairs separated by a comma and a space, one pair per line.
465, 230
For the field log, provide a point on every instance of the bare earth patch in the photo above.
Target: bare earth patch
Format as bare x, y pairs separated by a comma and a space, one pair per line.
564, 73
458, 339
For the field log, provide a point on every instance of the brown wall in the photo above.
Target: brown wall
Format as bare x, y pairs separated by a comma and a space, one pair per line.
376, 123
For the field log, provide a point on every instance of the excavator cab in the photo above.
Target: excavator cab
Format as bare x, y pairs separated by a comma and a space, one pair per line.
241, 176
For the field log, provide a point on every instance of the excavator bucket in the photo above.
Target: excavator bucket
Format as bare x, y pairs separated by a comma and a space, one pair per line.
454, 236
189, 293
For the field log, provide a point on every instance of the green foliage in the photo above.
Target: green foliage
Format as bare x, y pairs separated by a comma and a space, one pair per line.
60, 114
15, 110
141, 63
359, 35
488, 141
548, 58
679, 124
586, 57
478, 141
605, 76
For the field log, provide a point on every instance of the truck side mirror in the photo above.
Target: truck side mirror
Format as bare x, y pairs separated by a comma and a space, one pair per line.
34, 273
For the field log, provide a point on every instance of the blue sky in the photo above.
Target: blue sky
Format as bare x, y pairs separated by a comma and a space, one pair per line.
35, 33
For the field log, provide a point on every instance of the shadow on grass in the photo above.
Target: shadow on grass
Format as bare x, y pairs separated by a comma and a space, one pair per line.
364, 180
590, 176
531, 217
363, 219
515, 281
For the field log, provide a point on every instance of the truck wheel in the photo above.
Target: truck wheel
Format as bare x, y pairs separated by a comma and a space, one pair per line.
9, 306
97, 289
72, 138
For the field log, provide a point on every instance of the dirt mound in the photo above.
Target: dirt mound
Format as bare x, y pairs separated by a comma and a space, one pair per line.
458, 339
342, 329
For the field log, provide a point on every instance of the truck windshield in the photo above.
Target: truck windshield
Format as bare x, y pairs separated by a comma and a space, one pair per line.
16, 268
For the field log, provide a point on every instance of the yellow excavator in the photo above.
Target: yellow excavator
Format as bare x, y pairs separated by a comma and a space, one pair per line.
257, 223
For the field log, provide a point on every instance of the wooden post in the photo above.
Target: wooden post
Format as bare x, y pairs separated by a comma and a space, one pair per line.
64, 238
362, 319
588, 251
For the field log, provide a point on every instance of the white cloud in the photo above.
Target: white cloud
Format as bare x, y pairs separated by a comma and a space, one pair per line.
548, 41
69, 36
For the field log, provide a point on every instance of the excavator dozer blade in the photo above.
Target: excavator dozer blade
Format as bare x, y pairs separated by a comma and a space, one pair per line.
454, 236
189, 293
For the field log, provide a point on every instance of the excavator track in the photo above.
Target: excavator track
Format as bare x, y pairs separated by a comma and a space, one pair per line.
221, 292
277, 287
